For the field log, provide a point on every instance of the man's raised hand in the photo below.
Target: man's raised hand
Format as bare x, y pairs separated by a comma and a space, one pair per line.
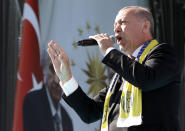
60, 61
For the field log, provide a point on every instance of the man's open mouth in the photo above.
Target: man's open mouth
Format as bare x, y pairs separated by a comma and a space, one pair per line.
118, 38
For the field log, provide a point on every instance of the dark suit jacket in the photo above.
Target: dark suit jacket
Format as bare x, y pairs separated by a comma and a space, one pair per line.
158, 78
37, 113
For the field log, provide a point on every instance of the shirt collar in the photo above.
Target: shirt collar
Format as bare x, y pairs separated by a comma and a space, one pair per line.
53, 110
135, 53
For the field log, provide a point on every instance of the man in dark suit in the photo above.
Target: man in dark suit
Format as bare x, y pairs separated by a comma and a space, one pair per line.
150, 67
42, 110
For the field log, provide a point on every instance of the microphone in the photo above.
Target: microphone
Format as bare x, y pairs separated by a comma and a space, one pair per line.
92, 42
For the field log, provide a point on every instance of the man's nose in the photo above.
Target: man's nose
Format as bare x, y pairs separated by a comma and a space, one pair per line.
117, 28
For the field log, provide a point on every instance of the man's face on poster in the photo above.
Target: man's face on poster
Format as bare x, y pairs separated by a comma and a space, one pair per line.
52, 82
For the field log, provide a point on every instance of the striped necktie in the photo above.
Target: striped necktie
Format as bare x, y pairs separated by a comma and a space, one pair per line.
57, 122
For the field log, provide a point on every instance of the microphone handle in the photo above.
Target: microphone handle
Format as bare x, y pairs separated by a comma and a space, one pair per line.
90, 42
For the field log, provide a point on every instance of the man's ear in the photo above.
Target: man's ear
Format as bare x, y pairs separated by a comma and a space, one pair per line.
146, 26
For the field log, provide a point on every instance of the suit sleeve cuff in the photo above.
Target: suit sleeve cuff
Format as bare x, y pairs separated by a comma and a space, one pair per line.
69, 87
108, 50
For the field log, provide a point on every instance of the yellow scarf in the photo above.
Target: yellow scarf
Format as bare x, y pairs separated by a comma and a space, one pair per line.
131, 98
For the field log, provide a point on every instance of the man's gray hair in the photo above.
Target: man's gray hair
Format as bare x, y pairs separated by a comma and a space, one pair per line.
142, 13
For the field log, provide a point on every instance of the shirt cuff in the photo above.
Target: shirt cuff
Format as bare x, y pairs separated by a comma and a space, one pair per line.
69, 87
108, 50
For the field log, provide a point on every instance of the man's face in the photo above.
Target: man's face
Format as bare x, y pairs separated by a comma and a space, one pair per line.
127, 31
52, 82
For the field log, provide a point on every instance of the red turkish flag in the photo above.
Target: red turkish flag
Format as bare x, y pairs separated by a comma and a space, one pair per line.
29, 60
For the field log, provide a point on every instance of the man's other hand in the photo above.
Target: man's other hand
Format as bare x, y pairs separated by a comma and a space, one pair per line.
60, 61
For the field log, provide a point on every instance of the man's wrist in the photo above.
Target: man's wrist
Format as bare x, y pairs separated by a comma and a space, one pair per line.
69, 86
